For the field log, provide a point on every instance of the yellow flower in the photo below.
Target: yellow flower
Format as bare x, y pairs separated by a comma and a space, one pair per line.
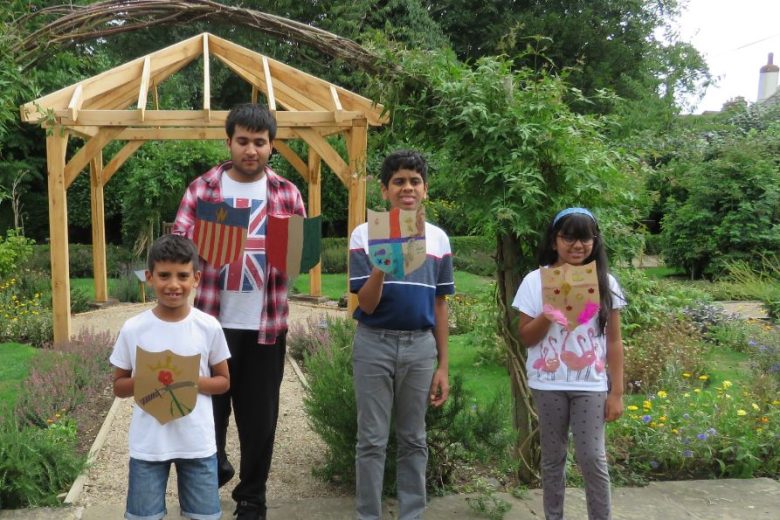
662, 418
647, 405
755, 407
632, 408
686, 374
741, 412
686, 395
697, 390
703, 377
727, 384
661, 394
675, 431
776, 402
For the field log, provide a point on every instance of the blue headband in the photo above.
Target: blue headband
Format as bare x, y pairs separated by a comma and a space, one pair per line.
572, 211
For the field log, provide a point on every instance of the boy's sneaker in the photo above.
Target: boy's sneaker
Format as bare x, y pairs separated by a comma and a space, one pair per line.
225, 469
249, 511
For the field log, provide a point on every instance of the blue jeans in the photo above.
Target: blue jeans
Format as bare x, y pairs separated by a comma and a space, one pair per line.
392, 369
198, 492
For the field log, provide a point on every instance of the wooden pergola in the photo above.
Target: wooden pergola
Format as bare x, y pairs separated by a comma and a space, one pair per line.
115, 106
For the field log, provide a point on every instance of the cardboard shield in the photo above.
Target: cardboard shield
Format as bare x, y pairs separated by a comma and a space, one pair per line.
396, 240
166, 384
293, 243
220, 232
573, 290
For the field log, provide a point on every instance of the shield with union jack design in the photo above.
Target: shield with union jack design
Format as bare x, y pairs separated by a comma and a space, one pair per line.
247, 273
220, 232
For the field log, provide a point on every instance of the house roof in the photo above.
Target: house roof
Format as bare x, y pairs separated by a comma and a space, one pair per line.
120, 96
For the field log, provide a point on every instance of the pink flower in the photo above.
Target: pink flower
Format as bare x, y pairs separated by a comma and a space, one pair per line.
590, 310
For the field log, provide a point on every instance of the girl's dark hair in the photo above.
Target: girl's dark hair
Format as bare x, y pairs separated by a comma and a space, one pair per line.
251, 116
581, 226
173, 248
403, 160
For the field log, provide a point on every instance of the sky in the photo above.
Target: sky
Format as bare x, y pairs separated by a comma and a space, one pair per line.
735, 37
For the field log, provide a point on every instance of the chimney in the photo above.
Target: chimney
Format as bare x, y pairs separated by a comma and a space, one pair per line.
767, 79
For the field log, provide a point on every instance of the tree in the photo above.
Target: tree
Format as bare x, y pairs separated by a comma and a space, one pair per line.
513, 153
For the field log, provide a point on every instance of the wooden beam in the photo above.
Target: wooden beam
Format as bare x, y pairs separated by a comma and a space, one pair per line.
315, 209
206, 75
358, 146
158, 118
76, 101
328, 154
58, 235
254, 94
119, 159
335, 96
125, 96
144, 88
88, 151
98, 228
110, 79
269, 85
292, 158
190, 133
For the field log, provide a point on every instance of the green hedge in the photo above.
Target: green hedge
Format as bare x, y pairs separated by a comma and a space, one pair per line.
80, 255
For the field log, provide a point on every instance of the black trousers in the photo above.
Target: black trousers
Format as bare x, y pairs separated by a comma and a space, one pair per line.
255, 379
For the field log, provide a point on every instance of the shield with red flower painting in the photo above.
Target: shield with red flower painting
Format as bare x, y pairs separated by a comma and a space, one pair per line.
166, 384
573, 290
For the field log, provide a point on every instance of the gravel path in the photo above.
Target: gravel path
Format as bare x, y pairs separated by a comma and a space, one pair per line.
297, 449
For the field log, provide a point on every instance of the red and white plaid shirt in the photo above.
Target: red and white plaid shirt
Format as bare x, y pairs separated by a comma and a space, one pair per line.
283, 199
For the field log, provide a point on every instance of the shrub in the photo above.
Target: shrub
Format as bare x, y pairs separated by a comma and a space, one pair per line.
673, 347
305, 340
725, 206
80, 259
25, 319
334, 255
473, 255
695, 432
761, 279
15, 249
652, 303
457, 432
36, 464
62, 379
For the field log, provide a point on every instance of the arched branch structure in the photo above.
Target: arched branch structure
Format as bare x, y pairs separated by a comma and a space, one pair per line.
72, 24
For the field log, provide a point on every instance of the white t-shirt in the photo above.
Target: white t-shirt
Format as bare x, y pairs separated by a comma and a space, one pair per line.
242, 283
191, 436
563, 359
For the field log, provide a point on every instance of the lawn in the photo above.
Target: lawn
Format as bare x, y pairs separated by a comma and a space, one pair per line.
483, 381
334, 286
14, 362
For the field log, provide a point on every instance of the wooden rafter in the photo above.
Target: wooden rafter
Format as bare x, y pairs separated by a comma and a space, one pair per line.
93, 147
292, 158
206, 75
143, 90
326, 151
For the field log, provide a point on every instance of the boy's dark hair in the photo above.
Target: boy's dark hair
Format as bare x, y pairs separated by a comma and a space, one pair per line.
251, 116
581, 226
173, 248
406, 160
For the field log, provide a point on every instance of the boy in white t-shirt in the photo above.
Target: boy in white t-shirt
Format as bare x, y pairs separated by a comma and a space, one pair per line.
188, 442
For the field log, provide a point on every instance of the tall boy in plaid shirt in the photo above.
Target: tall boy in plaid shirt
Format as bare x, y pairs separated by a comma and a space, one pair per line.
248, 297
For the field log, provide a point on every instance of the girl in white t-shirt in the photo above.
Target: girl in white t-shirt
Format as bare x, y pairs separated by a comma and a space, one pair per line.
575, 376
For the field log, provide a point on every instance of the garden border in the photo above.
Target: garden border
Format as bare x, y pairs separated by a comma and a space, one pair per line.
78, 485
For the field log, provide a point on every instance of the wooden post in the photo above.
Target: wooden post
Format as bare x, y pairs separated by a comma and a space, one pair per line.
357, 145
315, 209
58, 234
98, 228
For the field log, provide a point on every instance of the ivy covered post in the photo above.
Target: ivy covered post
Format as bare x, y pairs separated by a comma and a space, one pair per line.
508, 151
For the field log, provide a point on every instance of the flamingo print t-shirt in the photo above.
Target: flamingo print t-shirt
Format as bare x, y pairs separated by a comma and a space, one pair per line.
563, 359
242, 283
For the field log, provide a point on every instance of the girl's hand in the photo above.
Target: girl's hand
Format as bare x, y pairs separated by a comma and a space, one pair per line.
613, 409
554, 315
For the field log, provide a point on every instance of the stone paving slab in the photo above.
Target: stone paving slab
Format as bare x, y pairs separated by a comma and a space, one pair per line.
731, 499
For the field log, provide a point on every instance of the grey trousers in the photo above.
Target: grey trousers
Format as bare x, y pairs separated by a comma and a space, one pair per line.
392, 369
583, 413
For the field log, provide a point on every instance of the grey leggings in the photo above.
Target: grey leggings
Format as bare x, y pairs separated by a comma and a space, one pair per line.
583, 413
